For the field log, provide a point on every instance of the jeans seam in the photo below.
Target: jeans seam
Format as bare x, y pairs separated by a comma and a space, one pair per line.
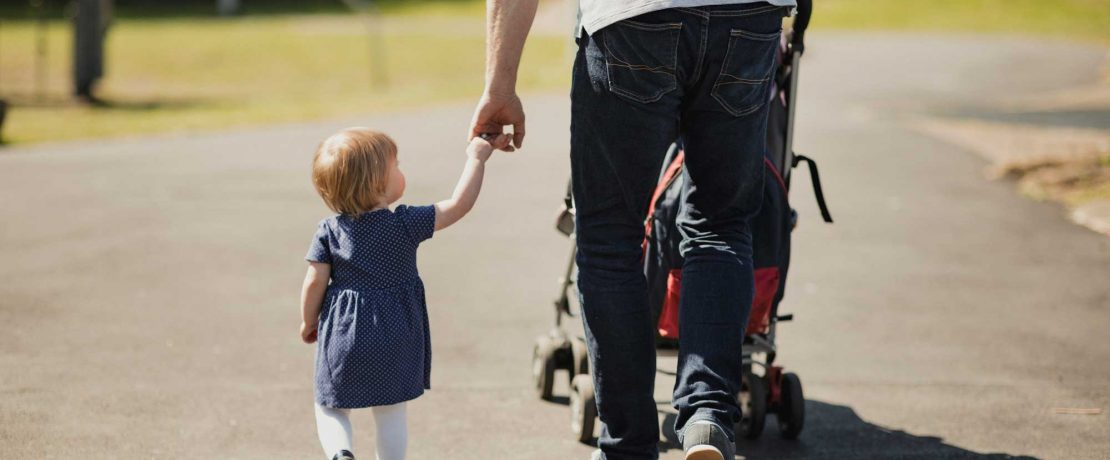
747, 12
701, 51
650, 27
674, 64
753, 35
693, 11
741, 81
730, 109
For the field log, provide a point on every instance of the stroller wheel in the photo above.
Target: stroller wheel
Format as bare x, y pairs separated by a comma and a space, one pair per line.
583, 408
543, 367
792, 411
753, 405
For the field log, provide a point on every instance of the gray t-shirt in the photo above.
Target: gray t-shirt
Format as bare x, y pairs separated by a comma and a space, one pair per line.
593, 15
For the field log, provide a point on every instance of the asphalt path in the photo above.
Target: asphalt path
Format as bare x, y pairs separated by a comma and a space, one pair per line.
149, 285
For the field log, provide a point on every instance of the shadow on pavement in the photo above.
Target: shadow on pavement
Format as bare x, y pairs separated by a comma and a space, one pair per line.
20, 101
833, 431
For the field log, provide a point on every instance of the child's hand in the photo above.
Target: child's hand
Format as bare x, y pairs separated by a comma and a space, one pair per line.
481, 147
308, 332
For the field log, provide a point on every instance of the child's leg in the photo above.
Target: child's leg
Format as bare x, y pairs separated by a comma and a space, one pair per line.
392, 427
334, 428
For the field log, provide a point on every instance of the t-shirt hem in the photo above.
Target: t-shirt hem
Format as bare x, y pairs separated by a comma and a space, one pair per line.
609, 19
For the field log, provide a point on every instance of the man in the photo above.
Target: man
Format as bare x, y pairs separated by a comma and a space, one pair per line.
647, 73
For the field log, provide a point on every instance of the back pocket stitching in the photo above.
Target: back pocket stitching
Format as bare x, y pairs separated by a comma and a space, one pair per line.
733, 35
753, 35
650, 27
664, 69
748, 11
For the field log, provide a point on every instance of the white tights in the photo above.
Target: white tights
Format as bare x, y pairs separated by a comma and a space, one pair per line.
334, 427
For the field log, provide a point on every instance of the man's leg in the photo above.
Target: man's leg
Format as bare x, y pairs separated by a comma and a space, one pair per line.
724, 130
617, 145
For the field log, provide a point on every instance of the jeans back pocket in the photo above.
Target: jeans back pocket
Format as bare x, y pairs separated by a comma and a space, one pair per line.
641, 59
745, 79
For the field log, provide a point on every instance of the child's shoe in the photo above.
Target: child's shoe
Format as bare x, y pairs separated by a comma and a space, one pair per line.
343, 455
707, 441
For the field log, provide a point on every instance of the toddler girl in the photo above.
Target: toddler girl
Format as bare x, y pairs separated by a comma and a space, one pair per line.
363, 300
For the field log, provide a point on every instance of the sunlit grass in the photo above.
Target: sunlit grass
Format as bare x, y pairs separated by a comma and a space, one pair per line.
171, 70
1082, 19
190, 74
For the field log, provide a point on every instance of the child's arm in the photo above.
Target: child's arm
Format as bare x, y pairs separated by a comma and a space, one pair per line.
451, 210
312, 295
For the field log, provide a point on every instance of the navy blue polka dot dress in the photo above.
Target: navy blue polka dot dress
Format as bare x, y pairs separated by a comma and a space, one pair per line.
373, 347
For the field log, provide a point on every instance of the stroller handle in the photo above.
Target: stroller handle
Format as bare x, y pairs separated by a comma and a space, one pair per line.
801, 23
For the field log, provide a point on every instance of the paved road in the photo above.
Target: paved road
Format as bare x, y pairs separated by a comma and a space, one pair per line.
149, 285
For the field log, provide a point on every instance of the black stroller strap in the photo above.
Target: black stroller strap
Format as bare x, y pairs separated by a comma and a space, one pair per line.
801, 23
816, 178
569, 199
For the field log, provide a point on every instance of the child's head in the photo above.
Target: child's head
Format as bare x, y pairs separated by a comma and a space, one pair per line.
355, 171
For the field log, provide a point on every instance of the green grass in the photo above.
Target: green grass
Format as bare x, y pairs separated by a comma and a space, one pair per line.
176, 9
192, 74
1076, 19
176, 68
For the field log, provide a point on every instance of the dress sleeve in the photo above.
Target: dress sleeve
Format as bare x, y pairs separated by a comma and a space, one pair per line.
319, 250
419, 221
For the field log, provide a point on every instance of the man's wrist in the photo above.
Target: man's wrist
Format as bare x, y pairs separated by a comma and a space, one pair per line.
501, 88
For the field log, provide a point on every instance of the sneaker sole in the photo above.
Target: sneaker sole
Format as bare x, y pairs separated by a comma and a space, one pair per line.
704, 452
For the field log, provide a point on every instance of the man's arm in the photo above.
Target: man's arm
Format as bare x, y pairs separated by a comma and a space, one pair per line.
507, 26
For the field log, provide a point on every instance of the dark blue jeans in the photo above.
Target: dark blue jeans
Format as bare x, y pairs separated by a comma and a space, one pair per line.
702, 75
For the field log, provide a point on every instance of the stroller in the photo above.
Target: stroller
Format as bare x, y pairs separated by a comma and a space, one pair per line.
765, 387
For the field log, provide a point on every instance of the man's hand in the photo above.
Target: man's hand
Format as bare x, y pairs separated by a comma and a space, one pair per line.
482, 147
308, 332
507, 26
494, 112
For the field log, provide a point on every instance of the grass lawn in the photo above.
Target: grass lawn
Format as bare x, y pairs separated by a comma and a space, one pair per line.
170, 70
193, 73
1087, 20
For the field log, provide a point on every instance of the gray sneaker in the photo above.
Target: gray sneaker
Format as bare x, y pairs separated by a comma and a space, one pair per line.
707, 441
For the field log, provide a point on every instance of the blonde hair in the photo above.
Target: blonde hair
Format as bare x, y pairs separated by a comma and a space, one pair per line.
351, 168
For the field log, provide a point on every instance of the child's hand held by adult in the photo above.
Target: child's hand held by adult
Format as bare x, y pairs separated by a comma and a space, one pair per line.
503, 141
482, 147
